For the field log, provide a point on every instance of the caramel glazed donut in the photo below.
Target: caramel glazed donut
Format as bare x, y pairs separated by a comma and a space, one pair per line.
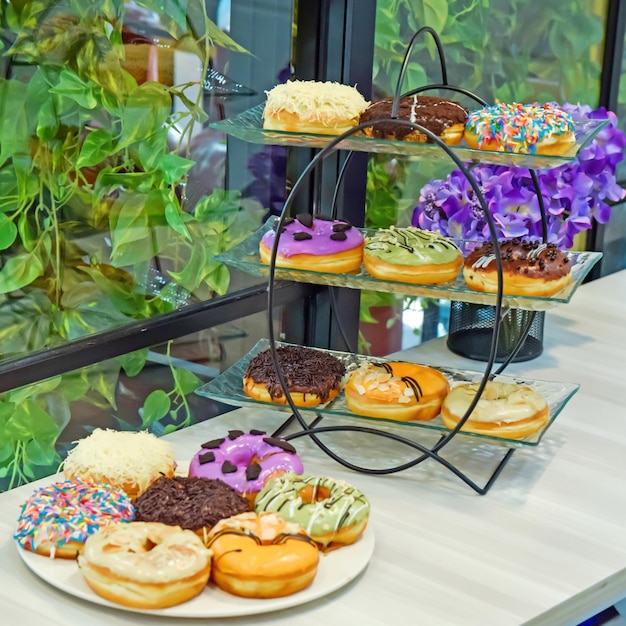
396, 390
529, 268
332, 512
503, 410
411, 255
525, 128
145, 565
262, 556
444, 118
313, 377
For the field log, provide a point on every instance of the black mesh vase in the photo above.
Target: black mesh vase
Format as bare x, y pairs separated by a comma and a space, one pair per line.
471, 329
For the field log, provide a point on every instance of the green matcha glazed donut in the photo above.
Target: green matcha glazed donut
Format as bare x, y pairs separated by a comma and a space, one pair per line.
332, 512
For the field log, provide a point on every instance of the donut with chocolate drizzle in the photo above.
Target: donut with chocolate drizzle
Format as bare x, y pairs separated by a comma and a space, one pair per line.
396, 390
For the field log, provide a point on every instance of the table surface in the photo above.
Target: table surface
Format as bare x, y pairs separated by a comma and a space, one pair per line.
546, 545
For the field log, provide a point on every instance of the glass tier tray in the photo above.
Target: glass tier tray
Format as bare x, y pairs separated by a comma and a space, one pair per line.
228, 387
248, 126
245, 256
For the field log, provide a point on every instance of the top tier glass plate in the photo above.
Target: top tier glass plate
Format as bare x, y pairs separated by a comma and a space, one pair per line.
228, 387
248, 126
245, 256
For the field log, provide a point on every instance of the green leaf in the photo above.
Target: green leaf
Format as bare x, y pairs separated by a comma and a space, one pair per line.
130, 233
14, 127
75, 89
19, 271
155, 407
174, 167
30, 391
7, 449
8, 232
30, 421
174, 217
189, 277
40, 452
186, 381
97, 146
133, 362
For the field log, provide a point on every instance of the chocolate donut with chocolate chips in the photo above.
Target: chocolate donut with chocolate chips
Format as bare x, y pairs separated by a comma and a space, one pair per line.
192, 503
313, 377
442, 117
529, 268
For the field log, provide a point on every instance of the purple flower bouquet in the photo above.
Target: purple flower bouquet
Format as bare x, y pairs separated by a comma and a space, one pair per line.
574, 194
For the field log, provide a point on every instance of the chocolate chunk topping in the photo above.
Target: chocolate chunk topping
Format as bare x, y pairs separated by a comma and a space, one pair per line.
280, 443
341, 227
305, 370
228, 468
306, 219
207, 457
253, 471
257, 432
300, 236
214, 443
339, 236
189, 502
234, 434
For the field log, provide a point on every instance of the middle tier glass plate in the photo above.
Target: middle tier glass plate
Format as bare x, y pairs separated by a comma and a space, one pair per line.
245, 256
228, 387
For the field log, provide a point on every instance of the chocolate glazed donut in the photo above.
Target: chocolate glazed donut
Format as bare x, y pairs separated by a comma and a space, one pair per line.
529, 268
444, 118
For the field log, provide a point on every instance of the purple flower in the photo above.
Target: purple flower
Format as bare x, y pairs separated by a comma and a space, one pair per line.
574, 195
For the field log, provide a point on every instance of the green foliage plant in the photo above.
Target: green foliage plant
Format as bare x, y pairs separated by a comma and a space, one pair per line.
94, 227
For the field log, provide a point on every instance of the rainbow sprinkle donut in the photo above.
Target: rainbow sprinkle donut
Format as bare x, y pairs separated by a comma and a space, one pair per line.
57, 519
523, 128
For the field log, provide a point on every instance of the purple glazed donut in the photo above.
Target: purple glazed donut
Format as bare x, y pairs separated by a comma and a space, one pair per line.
245, 461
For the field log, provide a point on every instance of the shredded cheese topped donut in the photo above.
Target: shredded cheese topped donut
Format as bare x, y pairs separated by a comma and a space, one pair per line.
310, 104
123, 458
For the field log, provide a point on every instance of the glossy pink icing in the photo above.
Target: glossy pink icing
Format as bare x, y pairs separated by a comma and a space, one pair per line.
321, 242
243, 450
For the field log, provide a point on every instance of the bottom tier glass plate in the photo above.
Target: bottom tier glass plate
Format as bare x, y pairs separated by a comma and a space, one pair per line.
336, 569
228, 387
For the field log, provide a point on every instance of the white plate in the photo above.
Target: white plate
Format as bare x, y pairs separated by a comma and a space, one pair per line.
336, 569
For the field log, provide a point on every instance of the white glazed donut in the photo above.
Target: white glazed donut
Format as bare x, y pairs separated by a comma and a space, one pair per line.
503, 410
145, 565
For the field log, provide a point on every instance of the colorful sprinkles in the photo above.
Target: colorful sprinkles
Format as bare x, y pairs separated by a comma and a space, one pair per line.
70, 510
518, 127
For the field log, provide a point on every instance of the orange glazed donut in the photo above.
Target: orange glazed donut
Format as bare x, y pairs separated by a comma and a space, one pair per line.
145, 565
396, 390
315, 243
504, 410
526, 128
262, 556
529, 268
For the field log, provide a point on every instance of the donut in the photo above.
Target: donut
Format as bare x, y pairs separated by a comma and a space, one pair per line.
411, 255
308, 106
396, 390
145, 565
505, 410
245, 461
313, 377
315, 243
57, 519
444, 118
262, 556
192, 503
130, 460
525, 128
529, 268
332, 512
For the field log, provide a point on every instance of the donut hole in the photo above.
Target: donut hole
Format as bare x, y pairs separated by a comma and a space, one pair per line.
310, 494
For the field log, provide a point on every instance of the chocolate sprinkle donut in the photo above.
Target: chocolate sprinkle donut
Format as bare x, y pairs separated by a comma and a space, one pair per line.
189, 502
305, 370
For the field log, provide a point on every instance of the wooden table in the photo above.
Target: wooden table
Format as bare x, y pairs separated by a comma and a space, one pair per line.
547, 544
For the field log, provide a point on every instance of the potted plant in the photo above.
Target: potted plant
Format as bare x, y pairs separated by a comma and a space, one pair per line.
95, 229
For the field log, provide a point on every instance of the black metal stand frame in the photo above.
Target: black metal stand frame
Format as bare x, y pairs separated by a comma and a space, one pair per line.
313, 429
